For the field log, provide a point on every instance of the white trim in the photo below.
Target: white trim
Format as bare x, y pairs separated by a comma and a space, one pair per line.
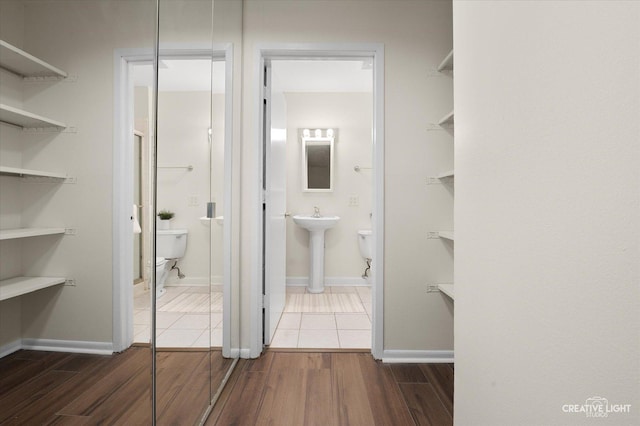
325, 51
233, 353
377, 220
123, 192
72, 346
227, 225
413, 356
10, 348
245, 353
330, 282
122, 250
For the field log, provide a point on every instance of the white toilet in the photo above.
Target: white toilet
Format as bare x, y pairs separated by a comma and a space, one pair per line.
365, 244
171, 244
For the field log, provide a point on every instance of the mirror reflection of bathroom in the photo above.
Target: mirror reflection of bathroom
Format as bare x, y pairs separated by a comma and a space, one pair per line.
323, 112
190, 159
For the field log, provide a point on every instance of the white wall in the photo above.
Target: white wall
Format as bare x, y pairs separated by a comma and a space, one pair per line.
416, 36
78, 37
547, 98
184, 120
350, 115
11, 21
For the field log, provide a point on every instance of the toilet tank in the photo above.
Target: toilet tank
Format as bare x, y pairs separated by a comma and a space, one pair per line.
171, 243
365, 243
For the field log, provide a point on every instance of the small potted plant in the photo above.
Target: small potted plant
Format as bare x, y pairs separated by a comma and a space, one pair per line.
165, 217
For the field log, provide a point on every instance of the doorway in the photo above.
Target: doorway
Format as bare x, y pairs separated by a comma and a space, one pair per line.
350, 303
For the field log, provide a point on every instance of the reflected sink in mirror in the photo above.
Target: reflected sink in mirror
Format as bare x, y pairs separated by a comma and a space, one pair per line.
311, 223
316, 225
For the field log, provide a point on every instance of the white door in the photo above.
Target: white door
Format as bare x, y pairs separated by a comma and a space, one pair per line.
275, 225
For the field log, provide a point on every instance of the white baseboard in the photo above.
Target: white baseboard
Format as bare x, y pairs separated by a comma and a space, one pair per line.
72, 346
10, 348
234, 353
415, 357
245, 353
329, 281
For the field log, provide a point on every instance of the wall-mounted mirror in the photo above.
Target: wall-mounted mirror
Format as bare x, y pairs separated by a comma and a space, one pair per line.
317, 160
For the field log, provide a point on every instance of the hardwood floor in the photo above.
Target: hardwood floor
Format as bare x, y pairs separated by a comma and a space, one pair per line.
280, 388
51, 388
339, 388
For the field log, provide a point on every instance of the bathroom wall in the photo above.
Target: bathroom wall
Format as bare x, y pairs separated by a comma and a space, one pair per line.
547, 201
350, 115
184, 120
416, 37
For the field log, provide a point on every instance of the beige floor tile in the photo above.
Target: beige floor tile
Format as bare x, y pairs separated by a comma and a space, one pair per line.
318, 322
353, 322
204, 341
141, 334
355, 339
290, 321
166, 319
318, 339
341, 289
364, 292
285, 339
142, 317
178, 338
216, 319
192, 321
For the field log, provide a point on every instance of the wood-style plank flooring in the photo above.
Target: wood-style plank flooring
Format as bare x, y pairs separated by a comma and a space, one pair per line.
47, 388
353, 389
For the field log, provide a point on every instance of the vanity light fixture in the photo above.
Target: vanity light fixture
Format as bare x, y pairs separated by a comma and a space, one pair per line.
306, 133
329, 133
318, 133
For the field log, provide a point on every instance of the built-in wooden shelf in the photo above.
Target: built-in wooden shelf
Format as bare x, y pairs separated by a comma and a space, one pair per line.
448, 290
22, 63
18, 286
11, 234
26, 119
447, 235
446, 174
447, 120
13, 171
447, 63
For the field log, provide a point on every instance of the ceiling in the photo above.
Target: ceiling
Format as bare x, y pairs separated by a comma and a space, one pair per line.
287, 75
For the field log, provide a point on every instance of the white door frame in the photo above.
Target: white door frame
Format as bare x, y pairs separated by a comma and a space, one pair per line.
322, 51
122, 251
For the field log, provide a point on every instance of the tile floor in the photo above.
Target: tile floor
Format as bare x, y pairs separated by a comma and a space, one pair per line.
339, 318
183, 319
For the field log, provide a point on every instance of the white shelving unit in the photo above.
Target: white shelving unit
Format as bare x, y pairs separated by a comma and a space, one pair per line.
447, 174
26, 119
12, 234
447, 63
18, 286
17, 61
447, 120
447, 235
22, 63
448, 290
13, 171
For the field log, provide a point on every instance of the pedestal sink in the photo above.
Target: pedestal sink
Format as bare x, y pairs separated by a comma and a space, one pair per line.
316, 227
